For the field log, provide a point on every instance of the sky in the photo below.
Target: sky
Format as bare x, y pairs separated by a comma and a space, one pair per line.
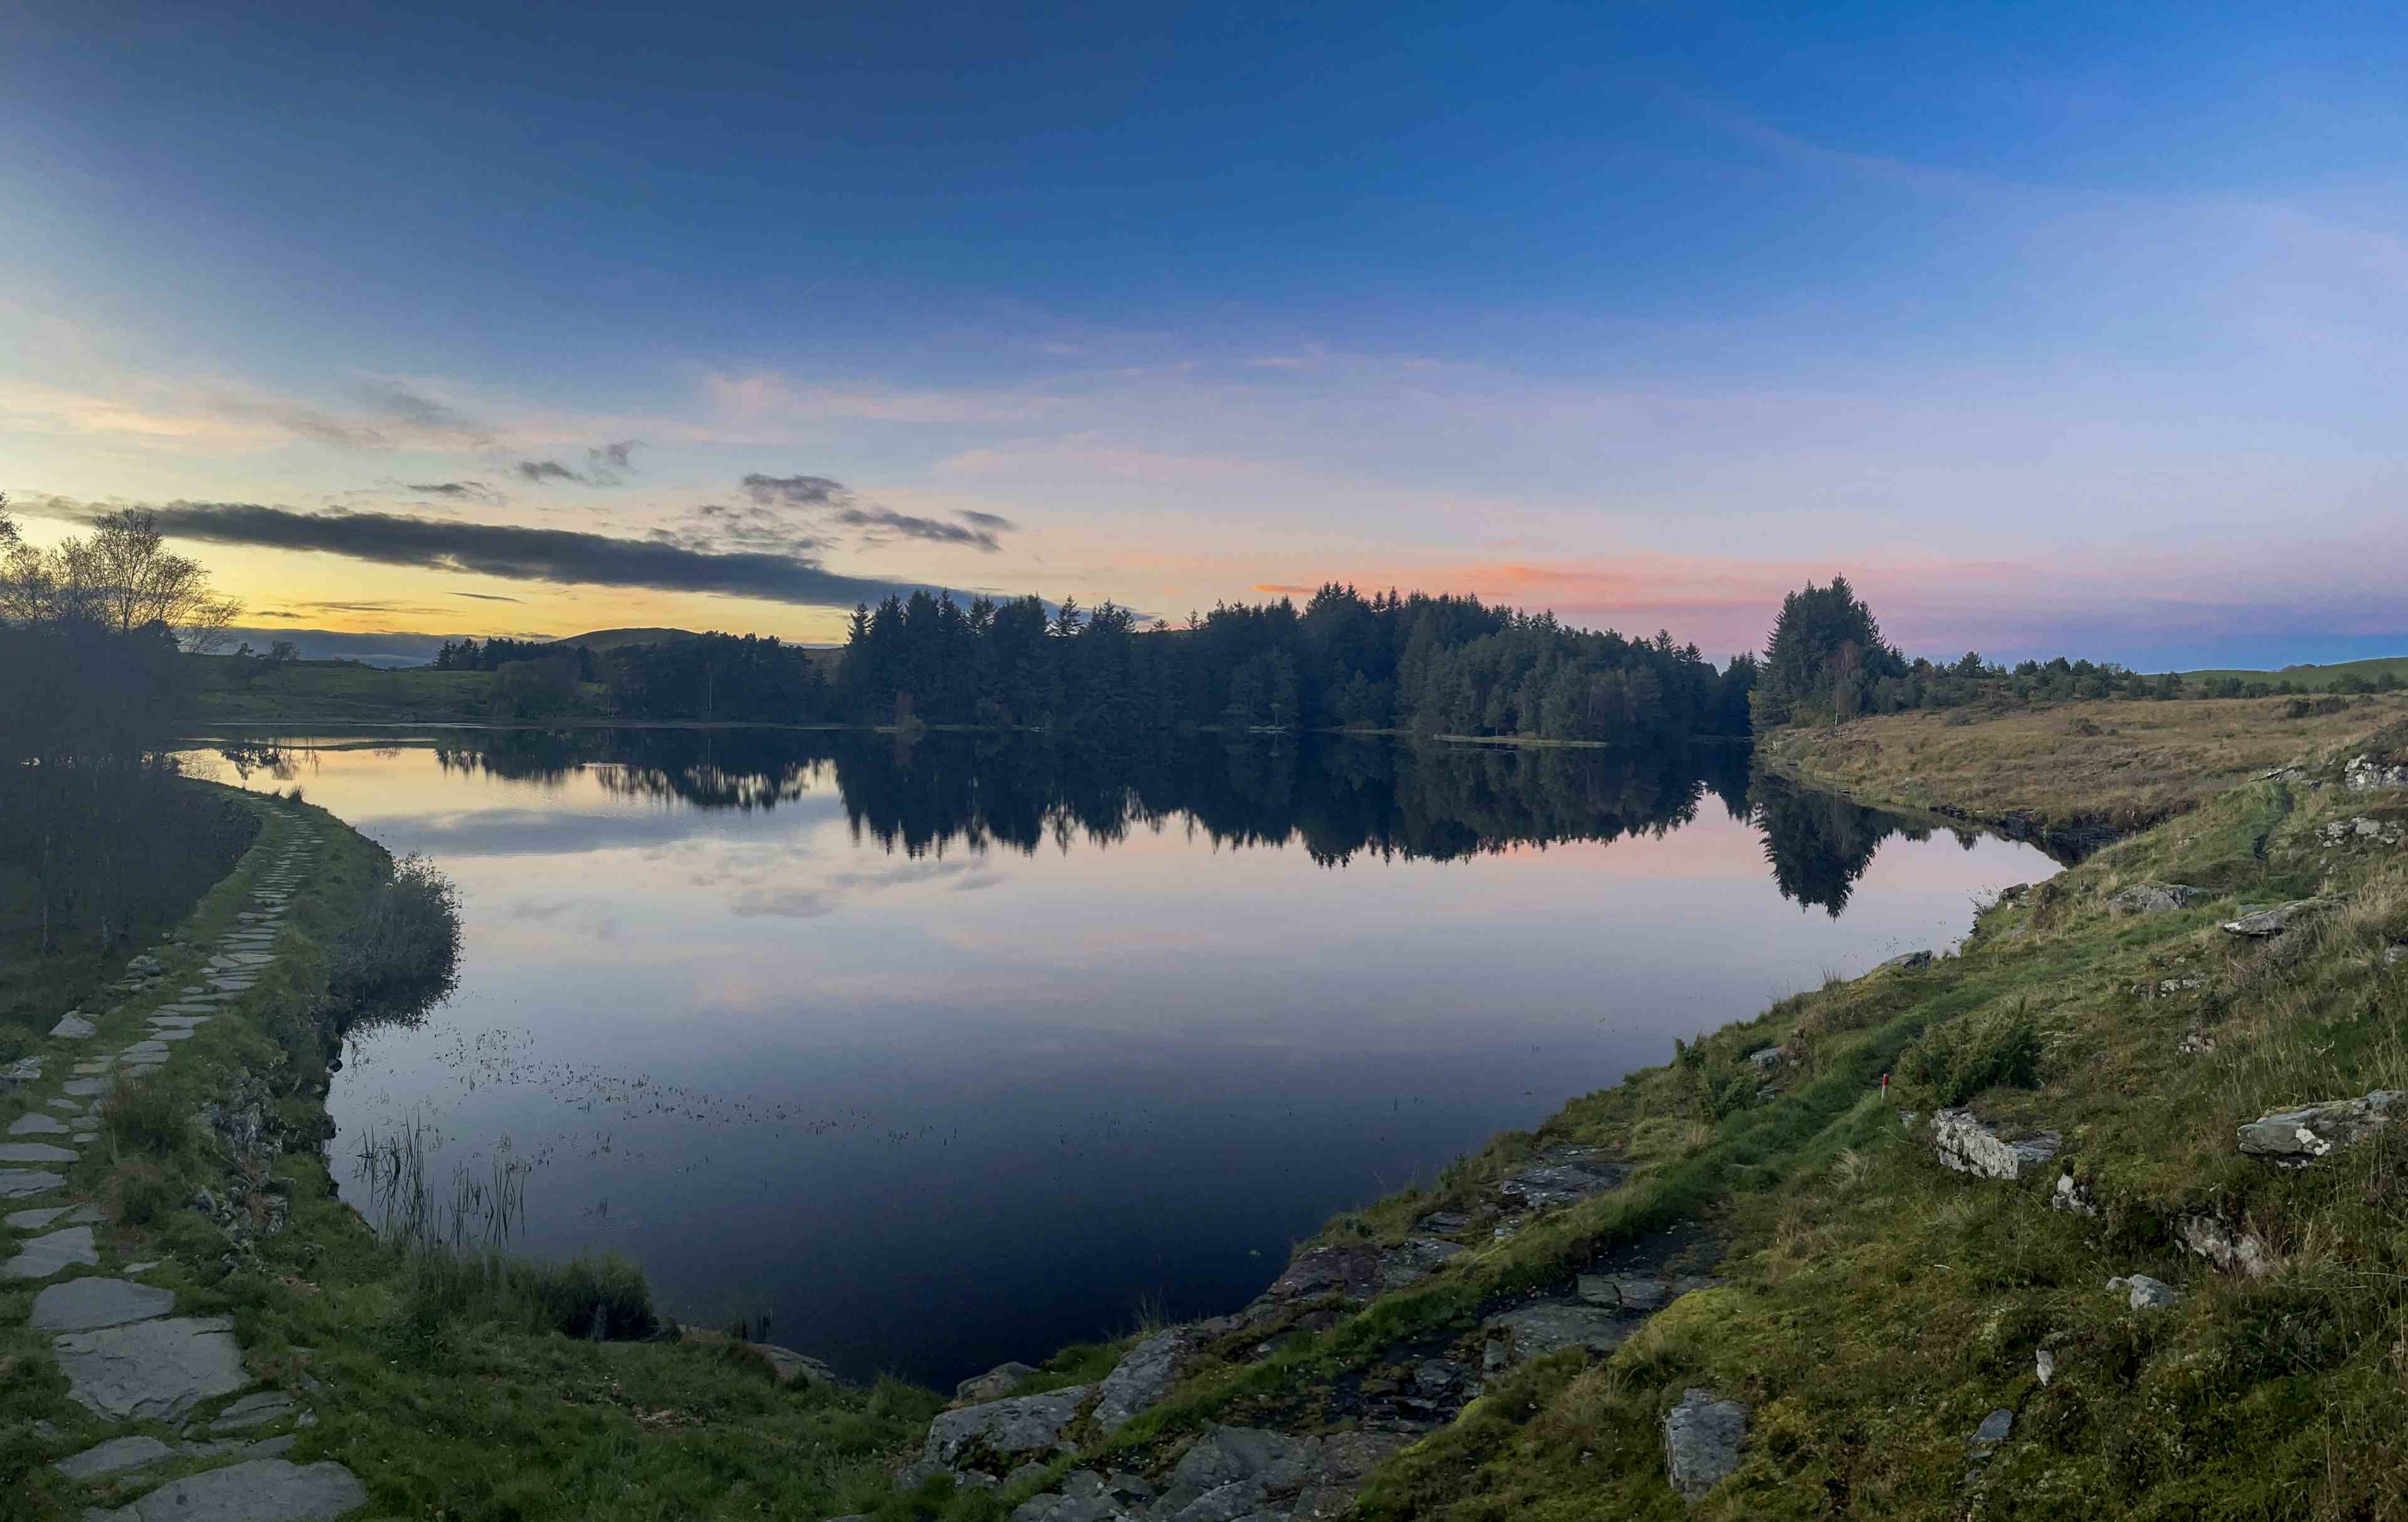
2056, 328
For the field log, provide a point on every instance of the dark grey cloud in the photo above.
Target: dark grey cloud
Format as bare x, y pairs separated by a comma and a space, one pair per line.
509, 552
539, 471
613, 459
796, 491
454, 490
486, 597
422, 419
834, 503
886, 524
303, 421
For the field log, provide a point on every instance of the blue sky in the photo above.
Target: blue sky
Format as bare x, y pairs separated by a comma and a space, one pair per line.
2056, 328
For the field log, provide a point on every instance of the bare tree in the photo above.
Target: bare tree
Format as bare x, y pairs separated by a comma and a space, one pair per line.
123, 579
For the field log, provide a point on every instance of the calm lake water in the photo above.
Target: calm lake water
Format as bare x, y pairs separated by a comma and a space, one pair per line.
946, 1054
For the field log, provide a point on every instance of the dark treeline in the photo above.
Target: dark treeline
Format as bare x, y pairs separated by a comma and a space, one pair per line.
1339, 800
1827, 661
1432, 665
1436, 665
97, 845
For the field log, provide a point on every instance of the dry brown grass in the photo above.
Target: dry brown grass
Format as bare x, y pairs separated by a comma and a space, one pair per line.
2122, 763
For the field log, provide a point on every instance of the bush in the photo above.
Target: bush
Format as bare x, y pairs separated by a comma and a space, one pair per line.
405, 942
144, 1115
1960, 1061
600, 1297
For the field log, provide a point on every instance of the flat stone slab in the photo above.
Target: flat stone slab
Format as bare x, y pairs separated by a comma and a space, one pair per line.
258, 1490
88, 1216
85, 1304
173, 1033
68, 1105
1534, 1331
1701, 1441
34, 1151
148, 1048
43, 1257
151, 1370
34, 1220
36, 1124
84, 1088
256, 1410
25, 1182
72, 1028
114, 1457
2295, 1138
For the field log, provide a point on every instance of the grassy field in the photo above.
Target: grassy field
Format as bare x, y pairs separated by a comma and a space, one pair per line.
343, 691
2120, 765
2312, 678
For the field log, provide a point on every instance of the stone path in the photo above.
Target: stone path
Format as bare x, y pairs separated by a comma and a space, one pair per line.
128, 1358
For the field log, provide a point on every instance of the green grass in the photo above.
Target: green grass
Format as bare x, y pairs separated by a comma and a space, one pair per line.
340, 692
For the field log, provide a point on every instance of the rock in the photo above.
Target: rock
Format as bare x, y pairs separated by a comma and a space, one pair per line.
1066, 1508
1535, 1331
1559, 1176
259, 1491
2144, 1293
793, 1368
2199, 1043
2230, 1249
82, 1305
1638, 1295
1766, 1058
2394, 955
1230, 1472
2044, 1365
146, 966
256, 1410
2168, 987
2271, 922
2294, 1138
43, 1257
151, 1370
1445, 1222
2365, 772
34, 1122
23, 1070
2154, 899
1415, 1260
2070, 1196
1967, 1144
1023, 1425
114, 1457
1907, 963
35, 1151
1701, 1441
1143, 1378
1994, 1429
1352, 1272
994, 1384
25, 1182
72, 1028
34, 1220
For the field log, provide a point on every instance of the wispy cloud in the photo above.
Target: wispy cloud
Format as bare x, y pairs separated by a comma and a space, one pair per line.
486, 597
833, 502
455, 491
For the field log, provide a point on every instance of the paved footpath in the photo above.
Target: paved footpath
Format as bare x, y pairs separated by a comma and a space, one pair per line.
129, 1359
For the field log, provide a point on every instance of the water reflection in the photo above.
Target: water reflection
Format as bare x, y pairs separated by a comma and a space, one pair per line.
948, 1052
1337, 800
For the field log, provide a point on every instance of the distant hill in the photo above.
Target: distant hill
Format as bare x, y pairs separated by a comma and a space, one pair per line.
612, 639
2309, 678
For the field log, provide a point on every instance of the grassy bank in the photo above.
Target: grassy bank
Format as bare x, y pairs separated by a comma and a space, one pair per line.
1875, 1307
2096, 768
454, 1383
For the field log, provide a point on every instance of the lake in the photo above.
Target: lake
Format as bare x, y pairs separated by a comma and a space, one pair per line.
944, 1053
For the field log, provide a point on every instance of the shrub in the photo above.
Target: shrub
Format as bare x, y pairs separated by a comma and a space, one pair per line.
602, 1296
143, 1115
1960, 1061
405, 942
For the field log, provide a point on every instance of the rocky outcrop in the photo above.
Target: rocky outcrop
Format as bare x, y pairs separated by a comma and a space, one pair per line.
2069, 1194
1234, 1472
1906, 963
2231, 1249
1533, 1331
1140, 1381
1969, 1144
2363, 831
993, 1439
2257, 924
994, 1384
2295, 1138
1701, 1441
2366, 772
2144, 1293
2154, 899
